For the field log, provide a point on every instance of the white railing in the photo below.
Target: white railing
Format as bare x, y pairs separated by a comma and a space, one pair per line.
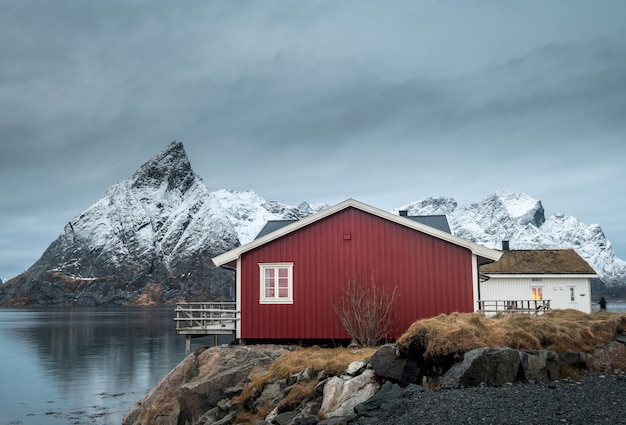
206, 318
197, 319
513, 306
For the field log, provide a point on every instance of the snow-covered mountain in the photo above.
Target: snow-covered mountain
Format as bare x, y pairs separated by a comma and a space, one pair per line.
148, 240
248, 211
151, 237
519, 219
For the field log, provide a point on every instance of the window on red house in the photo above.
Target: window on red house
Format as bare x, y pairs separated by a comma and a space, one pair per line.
276, 283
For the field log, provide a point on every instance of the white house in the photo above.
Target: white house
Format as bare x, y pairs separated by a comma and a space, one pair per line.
534, 277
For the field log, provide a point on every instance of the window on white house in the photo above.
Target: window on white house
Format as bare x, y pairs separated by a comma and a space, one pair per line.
276, 283
572, 294
537, 293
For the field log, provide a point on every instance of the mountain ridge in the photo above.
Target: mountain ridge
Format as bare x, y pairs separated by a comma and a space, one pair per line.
149, 240
520, 219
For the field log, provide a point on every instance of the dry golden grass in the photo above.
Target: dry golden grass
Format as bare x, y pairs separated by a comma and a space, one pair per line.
332, 360
447, 336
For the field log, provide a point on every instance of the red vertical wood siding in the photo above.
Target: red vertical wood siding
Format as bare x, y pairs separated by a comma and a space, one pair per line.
432, 276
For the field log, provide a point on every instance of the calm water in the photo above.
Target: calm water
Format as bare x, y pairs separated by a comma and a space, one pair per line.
83, 365
611, 306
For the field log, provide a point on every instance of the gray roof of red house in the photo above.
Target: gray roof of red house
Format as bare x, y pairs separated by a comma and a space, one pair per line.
539, 261
439, 222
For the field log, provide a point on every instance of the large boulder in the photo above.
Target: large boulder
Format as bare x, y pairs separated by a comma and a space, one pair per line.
199, 383
607, 358
573, 359
483, 365
343, 393
539, 365
387, 394
272, 394
388, 364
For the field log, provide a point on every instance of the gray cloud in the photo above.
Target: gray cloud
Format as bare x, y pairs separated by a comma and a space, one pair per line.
351, 99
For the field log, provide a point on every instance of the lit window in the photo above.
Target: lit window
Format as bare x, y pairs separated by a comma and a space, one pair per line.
276, 283
537, 293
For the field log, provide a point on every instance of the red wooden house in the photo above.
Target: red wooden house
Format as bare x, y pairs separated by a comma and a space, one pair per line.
287, 279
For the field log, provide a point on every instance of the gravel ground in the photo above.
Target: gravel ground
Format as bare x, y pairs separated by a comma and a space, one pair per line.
595, 399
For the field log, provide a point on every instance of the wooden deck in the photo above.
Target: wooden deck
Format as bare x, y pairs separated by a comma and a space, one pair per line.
514, 306
197, 319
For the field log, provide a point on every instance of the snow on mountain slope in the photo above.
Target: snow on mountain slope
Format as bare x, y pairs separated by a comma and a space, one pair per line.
520, 219
160, 216
148, 240
248, 211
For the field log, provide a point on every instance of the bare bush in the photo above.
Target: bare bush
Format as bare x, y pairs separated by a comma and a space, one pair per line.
366, 311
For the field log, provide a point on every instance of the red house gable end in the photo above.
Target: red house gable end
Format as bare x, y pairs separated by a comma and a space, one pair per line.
432, 276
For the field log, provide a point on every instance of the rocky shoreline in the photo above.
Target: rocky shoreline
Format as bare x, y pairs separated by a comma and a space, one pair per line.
234, 384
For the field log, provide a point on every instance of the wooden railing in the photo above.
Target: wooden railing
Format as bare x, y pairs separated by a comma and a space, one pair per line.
513, 306
197, 319
206, 318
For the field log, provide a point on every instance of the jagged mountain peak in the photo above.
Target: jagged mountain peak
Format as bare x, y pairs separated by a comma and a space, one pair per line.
171, 166
520, 219
150, 236
519, 206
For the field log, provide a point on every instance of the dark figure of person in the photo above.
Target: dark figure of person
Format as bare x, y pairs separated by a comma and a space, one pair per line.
602, 304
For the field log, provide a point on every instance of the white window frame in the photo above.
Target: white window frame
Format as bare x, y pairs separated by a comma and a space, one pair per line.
536, 293
263, 299
571, 294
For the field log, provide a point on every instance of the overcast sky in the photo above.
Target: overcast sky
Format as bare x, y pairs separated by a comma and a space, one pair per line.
384, 102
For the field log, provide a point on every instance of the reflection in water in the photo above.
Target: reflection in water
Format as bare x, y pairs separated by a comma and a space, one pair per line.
82, 365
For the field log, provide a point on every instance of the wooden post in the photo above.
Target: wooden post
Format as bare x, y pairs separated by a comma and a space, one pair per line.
188, 343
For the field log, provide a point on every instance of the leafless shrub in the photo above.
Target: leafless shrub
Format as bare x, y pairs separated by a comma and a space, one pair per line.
366, 311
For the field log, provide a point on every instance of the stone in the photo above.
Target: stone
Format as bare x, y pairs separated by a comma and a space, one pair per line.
388, 364
196, 385
284, 418
388, 393
573, 358
272, 393
308, 414
539, 365
607, 358
306, 420
271, 415
304, 375
483, 365
337, 420
355, 368
212, 415
226, 420
342, 395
